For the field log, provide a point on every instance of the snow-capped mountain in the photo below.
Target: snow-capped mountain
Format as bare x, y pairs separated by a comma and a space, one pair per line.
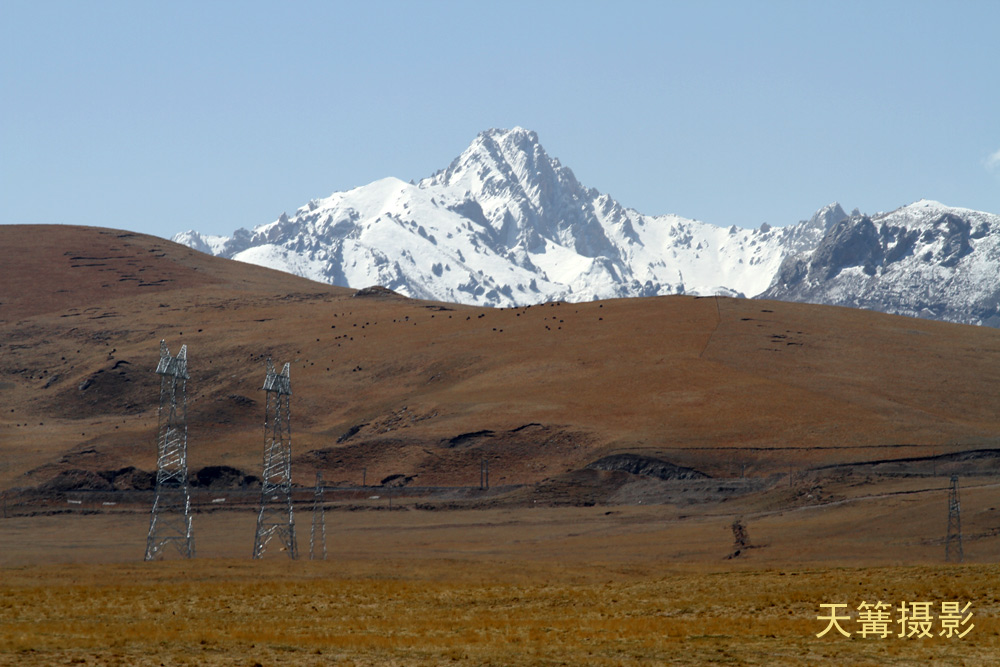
923, 260
506, 225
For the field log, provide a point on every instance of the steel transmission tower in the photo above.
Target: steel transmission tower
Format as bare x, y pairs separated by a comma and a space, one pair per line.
318, 533
276, 516
953, 541
171, 518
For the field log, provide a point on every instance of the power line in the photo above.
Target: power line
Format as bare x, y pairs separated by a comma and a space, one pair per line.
276, 516
953, 540
170, 521
317, 535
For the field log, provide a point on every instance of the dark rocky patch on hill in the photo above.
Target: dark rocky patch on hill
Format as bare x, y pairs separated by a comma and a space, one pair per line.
645, 465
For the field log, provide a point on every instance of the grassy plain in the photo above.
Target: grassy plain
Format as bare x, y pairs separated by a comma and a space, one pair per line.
436, 611
550, 586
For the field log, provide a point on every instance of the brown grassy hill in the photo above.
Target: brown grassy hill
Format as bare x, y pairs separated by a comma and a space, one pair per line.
397, 386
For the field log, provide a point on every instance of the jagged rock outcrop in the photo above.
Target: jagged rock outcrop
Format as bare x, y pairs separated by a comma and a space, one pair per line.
922, 260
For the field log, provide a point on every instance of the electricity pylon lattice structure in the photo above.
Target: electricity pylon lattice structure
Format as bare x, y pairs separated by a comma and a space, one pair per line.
317, 536
953, 541
276, 516
170, 522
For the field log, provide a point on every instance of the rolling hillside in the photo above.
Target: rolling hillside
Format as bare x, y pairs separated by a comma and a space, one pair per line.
394, 386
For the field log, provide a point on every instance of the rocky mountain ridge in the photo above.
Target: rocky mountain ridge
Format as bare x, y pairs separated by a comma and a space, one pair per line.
922, 260
505, 225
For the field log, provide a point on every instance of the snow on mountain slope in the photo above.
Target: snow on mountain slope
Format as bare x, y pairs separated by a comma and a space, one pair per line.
923, 260
503, 225
206, 243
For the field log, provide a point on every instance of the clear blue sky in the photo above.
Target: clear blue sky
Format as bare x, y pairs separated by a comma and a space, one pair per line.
165, 116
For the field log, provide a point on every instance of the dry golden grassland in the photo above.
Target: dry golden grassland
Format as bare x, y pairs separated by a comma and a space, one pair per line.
573, 586
428, 612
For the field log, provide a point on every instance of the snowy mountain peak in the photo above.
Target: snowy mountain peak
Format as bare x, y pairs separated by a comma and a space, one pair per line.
922, 206
525, 196
924, 260
501, 162
827, 217
926, 203
498, 161
505, 224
